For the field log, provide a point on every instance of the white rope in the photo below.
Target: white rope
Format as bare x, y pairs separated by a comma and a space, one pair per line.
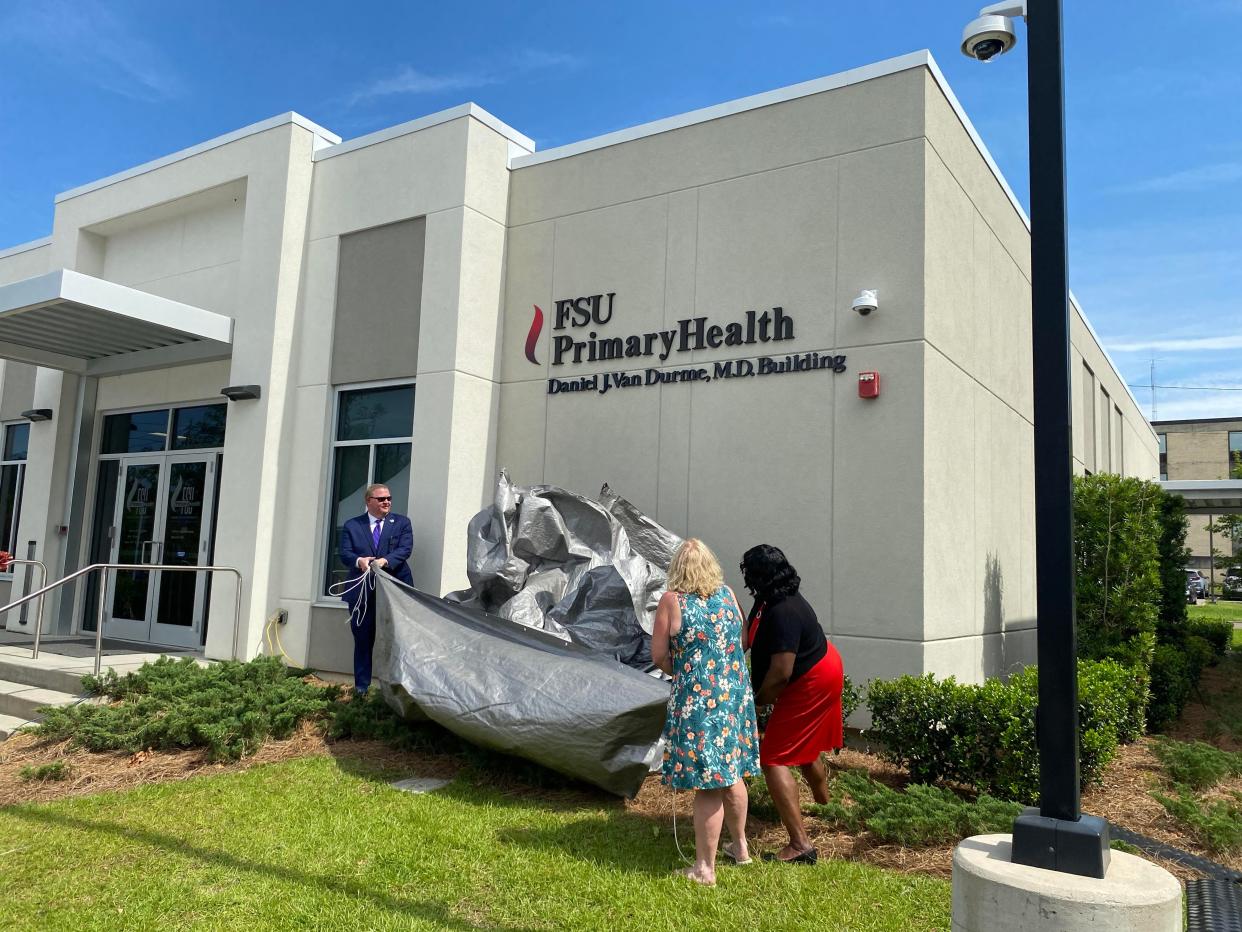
681, 854
366, 584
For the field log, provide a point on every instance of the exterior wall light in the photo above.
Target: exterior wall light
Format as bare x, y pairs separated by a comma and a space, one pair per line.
241, 392
38, 414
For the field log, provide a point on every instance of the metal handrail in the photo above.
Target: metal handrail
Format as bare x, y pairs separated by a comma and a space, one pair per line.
103, 591
39, 614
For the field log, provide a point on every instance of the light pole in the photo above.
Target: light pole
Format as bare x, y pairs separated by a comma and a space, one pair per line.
1056, 836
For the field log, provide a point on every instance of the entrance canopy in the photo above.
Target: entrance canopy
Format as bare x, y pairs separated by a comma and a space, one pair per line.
74, 322
1208, 496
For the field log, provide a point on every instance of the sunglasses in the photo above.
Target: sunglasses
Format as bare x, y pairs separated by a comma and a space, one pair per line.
381, 498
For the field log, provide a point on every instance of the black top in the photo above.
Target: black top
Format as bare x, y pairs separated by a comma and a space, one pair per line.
789, 626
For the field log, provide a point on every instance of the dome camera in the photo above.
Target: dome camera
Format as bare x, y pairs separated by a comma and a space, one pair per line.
866, 302
988, 36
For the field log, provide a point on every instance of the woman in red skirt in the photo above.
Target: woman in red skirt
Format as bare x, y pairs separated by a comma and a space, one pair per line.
799, 673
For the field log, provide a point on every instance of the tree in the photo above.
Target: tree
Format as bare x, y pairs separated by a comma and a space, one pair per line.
1118, 579
1174, 555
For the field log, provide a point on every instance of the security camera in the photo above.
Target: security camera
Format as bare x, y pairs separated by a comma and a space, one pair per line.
866, 302
992, 32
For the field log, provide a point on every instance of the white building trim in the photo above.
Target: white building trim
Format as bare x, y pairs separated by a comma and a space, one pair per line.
435, 119
261, 127
74, 322
25, 247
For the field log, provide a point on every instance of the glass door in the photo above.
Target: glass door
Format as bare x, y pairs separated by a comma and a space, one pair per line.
136, 520
179, 600
163, 515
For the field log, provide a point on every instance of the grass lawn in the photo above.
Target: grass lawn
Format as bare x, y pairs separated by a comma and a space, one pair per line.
1220, 611
325, 843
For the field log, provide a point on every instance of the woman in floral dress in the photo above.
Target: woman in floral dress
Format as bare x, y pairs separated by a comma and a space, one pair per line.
711, 741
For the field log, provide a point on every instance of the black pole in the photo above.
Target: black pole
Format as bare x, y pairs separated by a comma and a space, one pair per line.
1058, 837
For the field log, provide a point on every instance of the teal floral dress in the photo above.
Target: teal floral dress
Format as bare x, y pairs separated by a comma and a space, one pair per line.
710, 737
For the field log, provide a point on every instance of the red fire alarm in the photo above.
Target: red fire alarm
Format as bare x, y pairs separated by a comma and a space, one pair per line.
868, 385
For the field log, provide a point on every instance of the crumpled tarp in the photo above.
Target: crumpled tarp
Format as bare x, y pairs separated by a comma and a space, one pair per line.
584, 571
518, 689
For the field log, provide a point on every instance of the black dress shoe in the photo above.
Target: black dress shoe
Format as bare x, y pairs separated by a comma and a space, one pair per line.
809, 856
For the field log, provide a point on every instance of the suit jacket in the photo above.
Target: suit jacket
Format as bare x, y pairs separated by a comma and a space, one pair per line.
395, 545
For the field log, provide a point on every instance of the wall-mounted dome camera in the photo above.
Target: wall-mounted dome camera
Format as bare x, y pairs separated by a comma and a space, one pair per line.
866, 302
992, 33
988, 36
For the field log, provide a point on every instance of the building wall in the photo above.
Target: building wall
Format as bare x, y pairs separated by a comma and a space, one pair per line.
452, 177
801, 204
798, 205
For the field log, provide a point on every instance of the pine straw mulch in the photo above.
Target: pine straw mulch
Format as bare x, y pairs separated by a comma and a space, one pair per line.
94, 772
658, 802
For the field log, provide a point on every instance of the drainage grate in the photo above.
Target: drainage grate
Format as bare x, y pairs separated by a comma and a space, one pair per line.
1213, 905
1177, 855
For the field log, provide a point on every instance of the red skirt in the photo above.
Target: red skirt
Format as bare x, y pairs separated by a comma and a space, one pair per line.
807, 717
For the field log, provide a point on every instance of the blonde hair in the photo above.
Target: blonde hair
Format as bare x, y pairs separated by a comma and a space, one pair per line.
695, 569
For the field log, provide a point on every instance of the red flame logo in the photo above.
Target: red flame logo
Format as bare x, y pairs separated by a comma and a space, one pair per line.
532, 338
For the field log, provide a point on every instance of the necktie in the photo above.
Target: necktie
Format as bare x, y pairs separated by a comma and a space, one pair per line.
375, 533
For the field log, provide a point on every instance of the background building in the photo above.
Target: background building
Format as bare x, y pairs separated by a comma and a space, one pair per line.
667, 309
1206, 449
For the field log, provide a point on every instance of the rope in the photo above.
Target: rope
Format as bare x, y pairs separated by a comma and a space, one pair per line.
366, 585
681, 854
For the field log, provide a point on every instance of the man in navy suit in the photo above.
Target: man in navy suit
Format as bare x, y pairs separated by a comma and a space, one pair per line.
377, 540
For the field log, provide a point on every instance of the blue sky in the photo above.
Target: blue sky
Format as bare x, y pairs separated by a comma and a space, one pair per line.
1154, 114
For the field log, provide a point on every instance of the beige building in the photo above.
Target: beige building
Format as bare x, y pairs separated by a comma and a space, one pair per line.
669, 309
1202, 449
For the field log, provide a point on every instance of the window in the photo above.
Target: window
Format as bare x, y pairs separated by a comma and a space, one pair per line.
1106, 407
194, 428
1120, 433
1164, 456
12, 478
372, 443
1088, 419
1235, 454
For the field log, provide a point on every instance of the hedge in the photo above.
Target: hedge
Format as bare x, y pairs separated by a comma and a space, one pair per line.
984, 736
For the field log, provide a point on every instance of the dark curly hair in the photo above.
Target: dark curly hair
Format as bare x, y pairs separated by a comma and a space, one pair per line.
768, 575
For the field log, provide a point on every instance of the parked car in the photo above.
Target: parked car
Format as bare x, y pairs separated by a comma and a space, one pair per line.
1232, 588
1196, 585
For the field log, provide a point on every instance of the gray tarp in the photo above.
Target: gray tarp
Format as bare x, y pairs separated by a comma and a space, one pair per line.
517, 689
584, 571
540, 657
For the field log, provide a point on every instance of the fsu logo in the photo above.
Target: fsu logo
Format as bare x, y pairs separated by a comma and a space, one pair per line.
532, 338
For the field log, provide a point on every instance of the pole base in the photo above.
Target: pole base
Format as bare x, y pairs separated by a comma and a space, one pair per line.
1080, 847
992, 894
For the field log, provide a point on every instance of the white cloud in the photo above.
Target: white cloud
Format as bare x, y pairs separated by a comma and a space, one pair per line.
90, 40
1177, 344
410, 80
1201, 178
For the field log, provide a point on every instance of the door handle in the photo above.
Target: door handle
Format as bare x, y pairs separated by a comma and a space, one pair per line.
142, 551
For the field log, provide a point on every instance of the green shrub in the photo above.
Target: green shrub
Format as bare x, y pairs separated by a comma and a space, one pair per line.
1219, 634
1172, 679
1117, 532
1196, 764
1216, 825
1173, 556
851, 698
369, 717
921, 815
984, 736
57, 770
925, 725
229, 708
